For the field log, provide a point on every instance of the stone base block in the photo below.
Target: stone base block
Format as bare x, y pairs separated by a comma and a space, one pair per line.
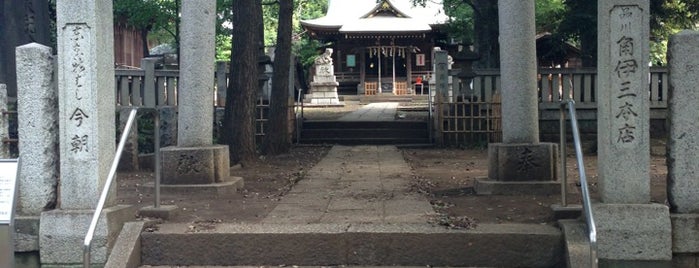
127, 250
195, 165
26, 233
567, 212
633, 232
164, 212
523, 162
226, 188
484, 186
685, 233
63, 232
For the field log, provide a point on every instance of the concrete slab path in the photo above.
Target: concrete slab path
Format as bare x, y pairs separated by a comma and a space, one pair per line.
379, 111
354, 184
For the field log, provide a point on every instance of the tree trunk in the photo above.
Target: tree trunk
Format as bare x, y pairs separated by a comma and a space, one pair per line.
239, 117
277, 139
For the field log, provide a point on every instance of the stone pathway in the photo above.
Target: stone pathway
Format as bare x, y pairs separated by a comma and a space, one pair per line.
357, 184
380, 111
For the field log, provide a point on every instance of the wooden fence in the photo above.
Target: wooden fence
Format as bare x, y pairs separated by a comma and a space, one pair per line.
151, 87
476, 119
578, 84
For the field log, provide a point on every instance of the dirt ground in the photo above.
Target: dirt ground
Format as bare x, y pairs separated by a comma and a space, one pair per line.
446, 176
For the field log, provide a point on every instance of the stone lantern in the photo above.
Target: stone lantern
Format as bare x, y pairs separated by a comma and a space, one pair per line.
464, 59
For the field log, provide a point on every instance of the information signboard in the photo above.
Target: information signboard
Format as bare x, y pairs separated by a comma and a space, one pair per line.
8, 184
8, 190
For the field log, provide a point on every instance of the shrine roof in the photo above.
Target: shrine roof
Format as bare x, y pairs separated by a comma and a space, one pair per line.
357, 16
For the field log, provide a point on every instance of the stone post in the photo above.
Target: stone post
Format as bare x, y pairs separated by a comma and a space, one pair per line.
37, 106
439, 85
520, 164
4, 123
87, 134
196, 73
629, 227
195, 160
683, 144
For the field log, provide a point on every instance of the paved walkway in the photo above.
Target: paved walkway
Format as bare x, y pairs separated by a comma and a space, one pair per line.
380, 111
354, 184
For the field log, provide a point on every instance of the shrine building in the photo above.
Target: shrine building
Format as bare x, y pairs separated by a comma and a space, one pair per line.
387, 43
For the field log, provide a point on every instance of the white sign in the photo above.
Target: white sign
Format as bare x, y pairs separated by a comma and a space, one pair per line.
419, 59
8, 183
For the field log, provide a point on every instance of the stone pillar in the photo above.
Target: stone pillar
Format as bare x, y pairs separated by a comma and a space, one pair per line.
683, 144
87, 134
520, 164
37, 107
196, 94
195, 160
129, 157
439, 84
629, 227
4, 123
520, 107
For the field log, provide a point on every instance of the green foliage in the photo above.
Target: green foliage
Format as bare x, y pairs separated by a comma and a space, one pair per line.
667, 18
549, 14
461, 21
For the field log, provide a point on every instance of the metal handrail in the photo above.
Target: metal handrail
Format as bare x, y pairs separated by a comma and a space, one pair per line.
298, 115
105, 191
587, 204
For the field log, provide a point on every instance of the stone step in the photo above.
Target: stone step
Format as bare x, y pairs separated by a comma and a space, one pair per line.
497, 245
365, 132
577, 247
296, 266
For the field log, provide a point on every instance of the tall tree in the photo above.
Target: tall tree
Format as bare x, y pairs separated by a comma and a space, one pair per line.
239, 117
277, 139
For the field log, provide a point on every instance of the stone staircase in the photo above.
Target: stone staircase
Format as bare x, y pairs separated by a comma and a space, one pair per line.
365, 132
490, 245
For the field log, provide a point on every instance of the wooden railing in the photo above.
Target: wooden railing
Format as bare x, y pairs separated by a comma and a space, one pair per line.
133, 86
150, 87
578, 84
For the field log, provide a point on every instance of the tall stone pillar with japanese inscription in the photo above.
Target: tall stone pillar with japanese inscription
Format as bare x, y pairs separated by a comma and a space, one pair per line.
683, 143
521, 163
629, 227
86, 118
196, 163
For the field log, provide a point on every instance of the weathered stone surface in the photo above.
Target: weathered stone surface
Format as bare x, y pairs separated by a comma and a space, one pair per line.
26, 234
168, 126
324, 85
522, 162
683, 105
129, 157
623, 110
86, 100
633, 231
37, 106
196, 73
4, 123
195, 165
127, 250
498, 245
63, 232
685, 230
518, 72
